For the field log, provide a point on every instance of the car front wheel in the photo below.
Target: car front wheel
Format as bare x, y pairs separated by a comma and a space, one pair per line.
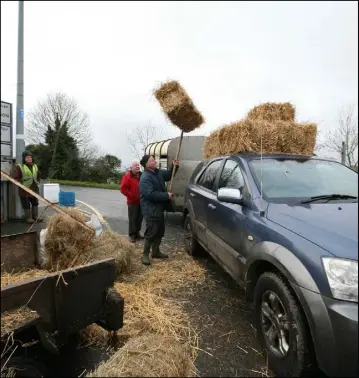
281, 327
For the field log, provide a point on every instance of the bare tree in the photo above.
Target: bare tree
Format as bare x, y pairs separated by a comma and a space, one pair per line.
347, 131
142, 136
66, 109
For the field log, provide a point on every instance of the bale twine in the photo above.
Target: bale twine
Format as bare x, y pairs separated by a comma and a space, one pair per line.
178, 106
148, 356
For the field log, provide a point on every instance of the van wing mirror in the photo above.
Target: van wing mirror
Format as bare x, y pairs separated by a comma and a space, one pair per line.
230, 195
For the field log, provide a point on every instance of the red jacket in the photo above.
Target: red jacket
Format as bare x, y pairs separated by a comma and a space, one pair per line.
130, 188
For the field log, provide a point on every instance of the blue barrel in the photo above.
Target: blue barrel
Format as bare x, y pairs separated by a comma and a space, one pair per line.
67, 199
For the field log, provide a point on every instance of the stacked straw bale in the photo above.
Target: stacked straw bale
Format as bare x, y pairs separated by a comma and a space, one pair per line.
281, 136
178, 106
272, 111
68, 244
148, 356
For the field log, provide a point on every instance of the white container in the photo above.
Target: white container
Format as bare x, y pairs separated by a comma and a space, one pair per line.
51, 192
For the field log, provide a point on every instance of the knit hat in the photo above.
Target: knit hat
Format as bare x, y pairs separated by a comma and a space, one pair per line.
24, 154
144, 160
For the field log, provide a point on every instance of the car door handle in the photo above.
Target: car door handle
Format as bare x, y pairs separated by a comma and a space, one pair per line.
211, 206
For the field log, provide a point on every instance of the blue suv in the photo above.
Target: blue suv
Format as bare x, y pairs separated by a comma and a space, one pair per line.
285, 227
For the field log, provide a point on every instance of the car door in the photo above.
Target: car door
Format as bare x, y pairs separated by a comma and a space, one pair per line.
226, 222
199, 194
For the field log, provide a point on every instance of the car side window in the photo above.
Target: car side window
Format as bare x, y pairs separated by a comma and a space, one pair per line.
231, 176
208, 177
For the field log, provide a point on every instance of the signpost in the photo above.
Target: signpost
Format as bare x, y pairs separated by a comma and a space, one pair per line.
6, 155
6, 131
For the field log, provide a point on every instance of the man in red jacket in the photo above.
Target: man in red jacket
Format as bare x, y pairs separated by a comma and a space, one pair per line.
130, 188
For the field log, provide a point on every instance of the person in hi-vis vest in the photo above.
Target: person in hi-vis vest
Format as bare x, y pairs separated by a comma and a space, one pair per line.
28, 174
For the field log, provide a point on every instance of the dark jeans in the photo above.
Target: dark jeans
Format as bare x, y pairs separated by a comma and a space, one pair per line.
155, 229
134, 220
26, 201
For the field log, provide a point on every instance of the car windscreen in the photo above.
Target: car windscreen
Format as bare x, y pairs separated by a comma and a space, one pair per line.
286, 180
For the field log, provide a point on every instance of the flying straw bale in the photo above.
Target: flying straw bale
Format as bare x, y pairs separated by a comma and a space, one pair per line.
148, 356
178, 106
272, 111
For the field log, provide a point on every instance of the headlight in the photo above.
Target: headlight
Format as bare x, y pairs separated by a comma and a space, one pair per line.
342, 277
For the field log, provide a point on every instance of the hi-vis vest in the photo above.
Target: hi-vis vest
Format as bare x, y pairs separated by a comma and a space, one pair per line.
28, 177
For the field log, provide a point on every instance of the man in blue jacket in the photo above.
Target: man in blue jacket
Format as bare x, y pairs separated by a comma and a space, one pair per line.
154, 201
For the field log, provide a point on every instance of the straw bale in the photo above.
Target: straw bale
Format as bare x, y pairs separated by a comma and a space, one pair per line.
148, 356
68, 244
272, 111
178, 106
277, 137
64, 240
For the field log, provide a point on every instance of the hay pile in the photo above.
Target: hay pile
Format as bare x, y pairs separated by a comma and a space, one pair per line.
147, 310
16, 278
150, 315
148, 356
11, 320
68, 244
281, 135
178, 106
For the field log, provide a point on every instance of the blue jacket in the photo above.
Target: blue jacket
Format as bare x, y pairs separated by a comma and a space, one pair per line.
153, 194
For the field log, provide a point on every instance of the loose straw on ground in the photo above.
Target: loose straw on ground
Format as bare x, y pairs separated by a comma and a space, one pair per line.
148, 356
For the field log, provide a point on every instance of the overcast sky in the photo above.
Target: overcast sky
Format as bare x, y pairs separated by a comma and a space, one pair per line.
229, 56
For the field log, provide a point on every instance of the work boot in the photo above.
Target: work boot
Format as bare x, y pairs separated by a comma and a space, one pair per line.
35, 214
28, 217
132, 239
139, 237
146, 252
156, 253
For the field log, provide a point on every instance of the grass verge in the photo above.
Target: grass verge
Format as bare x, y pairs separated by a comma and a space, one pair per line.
86, 184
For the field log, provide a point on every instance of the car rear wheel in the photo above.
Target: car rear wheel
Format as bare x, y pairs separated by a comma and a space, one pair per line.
281, 327
191, 244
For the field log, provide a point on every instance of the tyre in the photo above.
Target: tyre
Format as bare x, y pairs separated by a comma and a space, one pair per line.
281, 327
26, 367
191, 245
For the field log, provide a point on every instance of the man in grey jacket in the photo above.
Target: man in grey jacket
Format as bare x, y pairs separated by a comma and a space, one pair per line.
154, 201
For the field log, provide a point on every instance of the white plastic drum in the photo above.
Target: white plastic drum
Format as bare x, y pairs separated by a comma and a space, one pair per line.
51, 192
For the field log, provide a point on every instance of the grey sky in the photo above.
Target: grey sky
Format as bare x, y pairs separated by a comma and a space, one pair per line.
229, 56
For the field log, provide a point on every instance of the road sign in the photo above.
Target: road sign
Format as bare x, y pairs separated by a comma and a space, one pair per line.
6, 150
5, 134
6, 113
6, 131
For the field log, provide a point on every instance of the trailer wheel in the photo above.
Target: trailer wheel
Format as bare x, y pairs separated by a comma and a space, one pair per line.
26, 367
191, 245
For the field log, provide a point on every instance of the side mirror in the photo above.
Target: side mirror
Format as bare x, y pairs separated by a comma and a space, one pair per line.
230, 195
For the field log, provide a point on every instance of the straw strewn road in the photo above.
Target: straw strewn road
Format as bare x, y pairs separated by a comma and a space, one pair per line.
218, 310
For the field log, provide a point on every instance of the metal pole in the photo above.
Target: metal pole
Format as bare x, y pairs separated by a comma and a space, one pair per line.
20, 137
343, 152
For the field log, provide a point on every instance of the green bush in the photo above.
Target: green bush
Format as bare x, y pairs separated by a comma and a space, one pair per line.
87, 184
